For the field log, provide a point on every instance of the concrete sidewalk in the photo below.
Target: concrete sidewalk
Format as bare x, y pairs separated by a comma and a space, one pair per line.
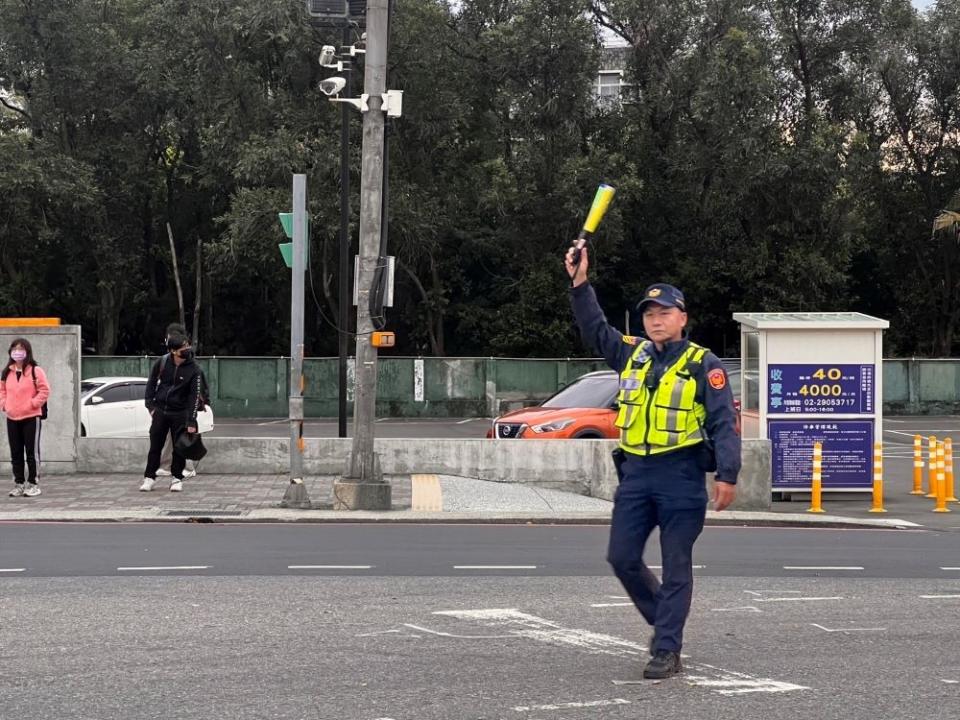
422, 498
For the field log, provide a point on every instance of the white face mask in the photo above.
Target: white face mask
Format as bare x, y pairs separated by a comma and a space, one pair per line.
19, 356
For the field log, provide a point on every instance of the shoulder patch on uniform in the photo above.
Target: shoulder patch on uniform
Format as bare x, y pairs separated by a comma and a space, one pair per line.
631, 339
717, 379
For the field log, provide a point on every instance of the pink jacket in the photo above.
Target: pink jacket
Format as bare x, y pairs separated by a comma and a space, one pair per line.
21, 399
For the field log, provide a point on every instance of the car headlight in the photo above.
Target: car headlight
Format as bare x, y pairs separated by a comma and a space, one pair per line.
553, 425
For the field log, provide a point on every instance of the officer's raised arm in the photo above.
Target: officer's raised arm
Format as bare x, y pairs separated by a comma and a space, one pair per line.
596, 332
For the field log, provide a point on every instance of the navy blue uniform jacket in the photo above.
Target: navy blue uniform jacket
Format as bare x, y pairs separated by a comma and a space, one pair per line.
609, 342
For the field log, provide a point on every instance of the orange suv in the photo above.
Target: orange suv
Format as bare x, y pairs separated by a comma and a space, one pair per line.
586, 408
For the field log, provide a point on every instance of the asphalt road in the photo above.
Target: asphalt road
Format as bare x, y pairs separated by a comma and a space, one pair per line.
76, 550
414, 638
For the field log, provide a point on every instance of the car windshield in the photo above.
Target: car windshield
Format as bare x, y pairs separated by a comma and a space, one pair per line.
87, 386
598, 391
734, 376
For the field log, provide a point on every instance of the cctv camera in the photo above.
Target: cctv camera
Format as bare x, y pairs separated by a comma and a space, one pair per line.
328, 55
332, 86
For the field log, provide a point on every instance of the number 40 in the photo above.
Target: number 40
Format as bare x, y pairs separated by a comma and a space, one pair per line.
829, 374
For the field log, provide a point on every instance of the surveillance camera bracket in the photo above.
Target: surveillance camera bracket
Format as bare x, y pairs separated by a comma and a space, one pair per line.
359, 103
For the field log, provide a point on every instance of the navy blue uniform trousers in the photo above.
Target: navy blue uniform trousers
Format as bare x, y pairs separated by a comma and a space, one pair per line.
666, 491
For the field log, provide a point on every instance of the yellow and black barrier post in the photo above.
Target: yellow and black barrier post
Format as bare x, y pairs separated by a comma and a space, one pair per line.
941, 506
877, 479
816, 489
917, 465
948, 453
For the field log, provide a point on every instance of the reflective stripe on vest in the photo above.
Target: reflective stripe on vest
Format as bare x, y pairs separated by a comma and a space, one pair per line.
664, 418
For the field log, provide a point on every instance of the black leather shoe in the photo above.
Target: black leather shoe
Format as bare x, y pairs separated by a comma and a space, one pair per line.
652, 645
663, 665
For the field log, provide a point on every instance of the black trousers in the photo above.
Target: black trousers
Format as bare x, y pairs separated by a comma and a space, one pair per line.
165, 424
668, 491
24, 437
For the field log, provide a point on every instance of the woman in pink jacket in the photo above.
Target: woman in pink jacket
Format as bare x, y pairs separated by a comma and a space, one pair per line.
23, 395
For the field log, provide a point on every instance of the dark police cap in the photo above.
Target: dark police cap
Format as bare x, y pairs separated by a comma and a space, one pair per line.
663, 294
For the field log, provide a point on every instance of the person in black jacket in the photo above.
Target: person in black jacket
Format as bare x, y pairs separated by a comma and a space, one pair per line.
166, 456
173, 398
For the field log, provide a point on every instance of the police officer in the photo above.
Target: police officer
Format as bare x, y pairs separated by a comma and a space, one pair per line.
677, 421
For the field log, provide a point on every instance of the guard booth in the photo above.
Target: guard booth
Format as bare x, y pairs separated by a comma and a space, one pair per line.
813, 377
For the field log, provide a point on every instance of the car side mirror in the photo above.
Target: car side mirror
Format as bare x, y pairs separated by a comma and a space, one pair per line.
96, 400
615, 405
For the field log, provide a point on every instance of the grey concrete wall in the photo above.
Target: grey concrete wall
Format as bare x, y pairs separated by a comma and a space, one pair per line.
584, 467
57, 350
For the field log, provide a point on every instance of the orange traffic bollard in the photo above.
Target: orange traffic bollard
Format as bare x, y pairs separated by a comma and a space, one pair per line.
816, 489
948, 452
941, 506
917, 465
932, 467
877, 479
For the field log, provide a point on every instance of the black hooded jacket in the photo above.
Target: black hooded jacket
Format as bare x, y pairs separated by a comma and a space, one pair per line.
177, 389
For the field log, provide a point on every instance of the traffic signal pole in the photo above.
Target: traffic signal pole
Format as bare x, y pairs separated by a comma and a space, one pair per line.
296, 492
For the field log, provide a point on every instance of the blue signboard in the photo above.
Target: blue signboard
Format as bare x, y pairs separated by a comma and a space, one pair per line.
847, 453
820, 389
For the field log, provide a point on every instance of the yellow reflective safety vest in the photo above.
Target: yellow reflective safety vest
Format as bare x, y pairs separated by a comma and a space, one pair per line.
654, 420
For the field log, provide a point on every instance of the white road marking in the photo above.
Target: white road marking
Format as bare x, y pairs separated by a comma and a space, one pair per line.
572, 705
163, 567
950, 568
329, 567
520, 624
822, 567
940, 597
494, 567
951, 682
798, 599
381, 632
12, 569
736, 684
626, 604
468, 420
741, 608
925, 434
269, 422
461, 637
779, 592
619, 597
660, 567
832, 630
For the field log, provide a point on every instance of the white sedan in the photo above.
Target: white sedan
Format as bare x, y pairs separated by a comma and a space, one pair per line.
113, 407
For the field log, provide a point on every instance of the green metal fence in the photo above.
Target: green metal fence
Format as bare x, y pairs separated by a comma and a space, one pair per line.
406, 386
472, 387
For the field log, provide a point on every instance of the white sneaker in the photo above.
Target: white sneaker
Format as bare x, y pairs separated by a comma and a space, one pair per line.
147, 484
17, 491
32, 490
189, 474
163, 473
176, 486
